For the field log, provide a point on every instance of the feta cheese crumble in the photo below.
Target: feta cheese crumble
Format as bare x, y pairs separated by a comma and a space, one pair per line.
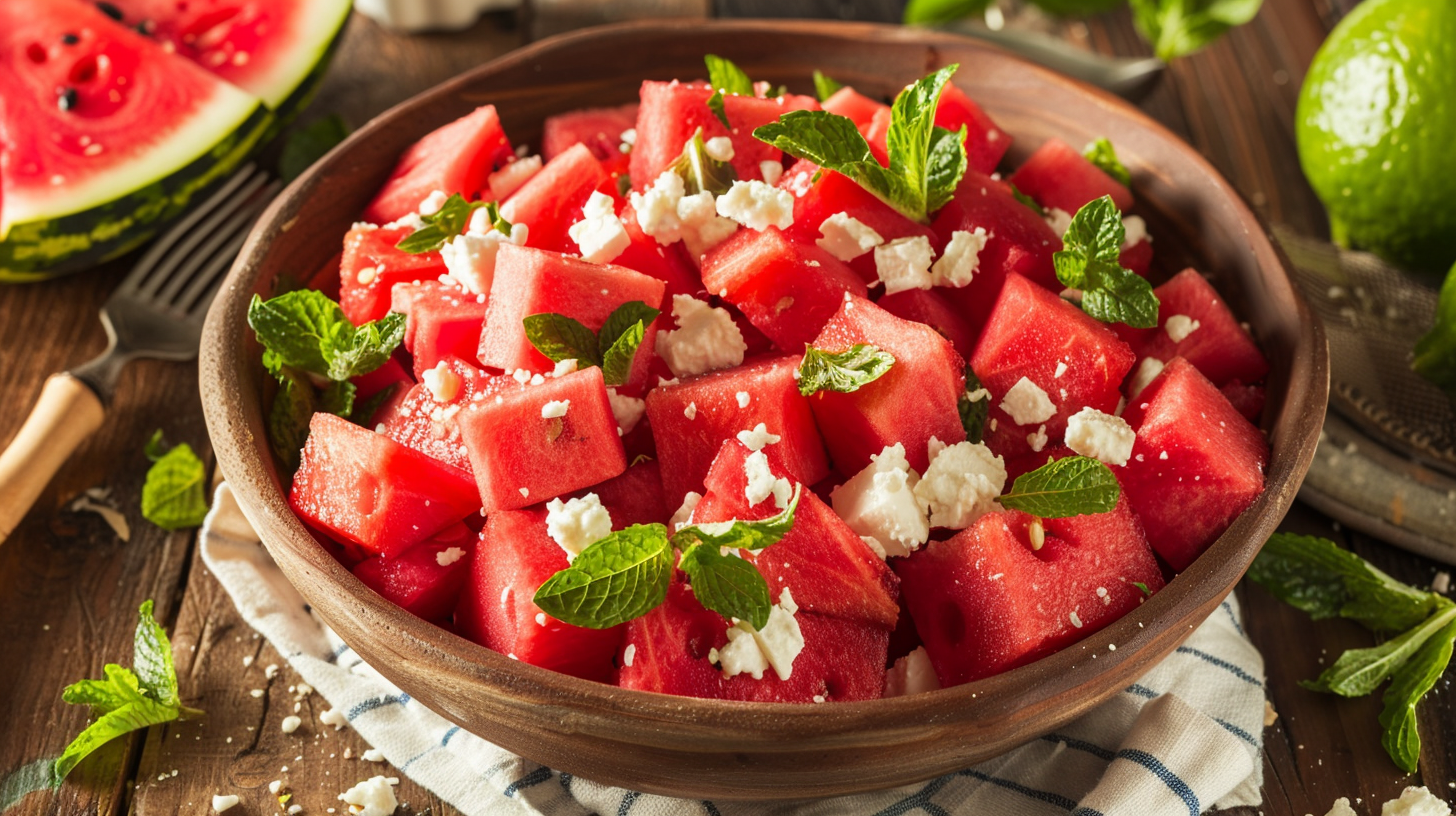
224, 802
1147, 371
335, 717
719, 148
1134, 231
442, 381
291, 723
750, 651
957, 265
961, 485
911, 674
702, 228
470, 258
1415, 801
762, 483
576, 524
772, 171
706, 338
683, 516
904, 264
510, 178
1058, 219
628, 654
1027, 403
1037, 439
758, 438
599, 233
555, 409
372, 797
757, 206
879, 503
742, 397
627, 410
433, 202
1103, 437
846, 237
449, 556
1179, 327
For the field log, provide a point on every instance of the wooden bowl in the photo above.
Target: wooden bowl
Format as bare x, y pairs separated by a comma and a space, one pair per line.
706, 748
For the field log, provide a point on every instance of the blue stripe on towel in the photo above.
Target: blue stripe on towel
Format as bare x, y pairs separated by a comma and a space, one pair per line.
376, 702
1081, 745
1172, 780
1222, 664
535, 777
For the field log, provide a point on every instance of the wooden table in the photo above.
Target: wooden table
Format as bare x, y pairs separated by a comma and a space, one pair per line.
69, 588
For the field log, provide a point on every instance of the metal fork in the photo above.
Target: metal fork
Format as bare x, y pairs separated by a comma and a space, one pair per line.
156, 311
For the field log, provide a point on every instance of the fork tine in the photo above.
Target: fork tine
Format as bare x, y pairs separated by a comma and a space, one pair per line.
182, 228
174, 258
220, 234
218, 261
199, 294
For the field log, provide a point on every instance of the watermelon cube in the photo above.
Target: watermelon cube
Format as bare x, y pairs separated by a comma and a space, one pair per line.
786, 289
1056, 175
456, 158
388, 376
668, 651
853, 105
670, 264
1196, 464
1020, 242
533, 281
363, 487
1137, 256
599, 129
914, 401
985, 601
542, 441
985, 142
1073, 359
513, 558
935, 310
425, 418
443, 320
552, 200
371, 266
1218, 347
691, 421
424, 579
1248, 400
828, 567
634, 497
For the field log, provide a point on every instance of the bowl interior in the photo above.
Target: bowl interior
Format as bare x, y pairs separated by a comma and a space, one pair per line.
664, 744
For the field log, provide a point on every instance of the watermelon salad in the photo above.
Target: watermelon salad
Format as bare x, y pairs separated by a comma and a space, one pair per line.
741, 394
114, 114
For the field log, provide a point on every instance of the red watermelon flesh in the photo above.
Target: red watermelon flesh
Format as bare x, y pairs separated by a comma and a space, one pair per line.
670, 264
1058, 176
985, 142
915, 400
1219, 348
599, 129
364, 487
514, 557
1196, 465
686, 445
1020, 242
670, 646
389, 375
424, 579
456, 158
429, 425
551, 201
853, 105
533, 281
634, 497
672, 111
984, 602
1034, 334
935, 310
520, 457
443, 321
827, 566
786, 289
1138, 257
1248, 400
371, 266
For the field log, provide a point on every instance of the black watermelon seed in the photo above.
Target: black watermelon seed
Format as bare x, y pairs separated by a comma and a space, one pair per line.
145, 27
66, 99
70, 39
110, 11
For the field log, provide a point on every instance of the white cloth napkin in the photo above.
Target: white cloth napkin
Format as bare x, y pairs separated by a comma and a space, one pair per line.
1187, 737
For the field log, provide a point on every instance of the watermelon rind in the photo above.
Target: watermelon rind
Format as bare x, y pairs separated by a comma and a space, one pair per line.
321, 22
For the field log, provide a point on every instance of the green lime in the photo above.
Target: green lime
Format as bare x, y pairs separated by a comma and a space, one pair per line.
1376, 129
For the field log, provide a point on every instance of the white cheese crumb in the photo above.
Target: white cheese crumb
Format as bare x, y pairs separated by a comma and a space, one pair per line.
1147, 371
626, 410
599, 233
879, 503
1104, 437
1076, 621
629, 653
706, 338
1027, 403
751, 651
1134, 231
772, 171
247, 659
957, 265
1037, 439
373, 755
334, 717
271, 671
525, 492
911, 674
432, 203
509, 179
540, 618
1415, 802
291, 723
742, 397
1061, 369
757, 206
758, 438
656, 208
629, 136
113, 517
1058, 219
256, 693
961, 485
719, 148
221, 803
372, 797
762, 483
846, 237
691, 412
1441, 583
875, 546
442, 382
449, 556
564, 367
577, 523
1179, 327
275, 786
555, 409
470, 258
683, 516
904, 264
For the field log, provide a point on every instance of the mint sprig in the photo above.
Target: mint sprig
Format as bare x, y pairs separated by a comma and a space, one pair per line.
728, 585
128, 699
1102, 154
699, 171
1325, 580
842, 371
926, 164
1089, 261
1180, 27
825, 86
449, 221
726, 78
559, 337
1072, 486
172, 496
739, 534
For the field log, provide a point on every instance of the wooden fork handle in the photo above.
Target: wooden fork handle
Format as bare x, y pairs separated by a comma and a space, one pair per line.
67, 412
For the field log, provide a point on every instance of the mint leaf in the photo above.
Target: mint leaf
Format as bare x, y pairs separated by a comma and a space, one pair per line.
1101, 154
338, 398
441, 227
293, 408
1089, 261
362, 350
152, 658
1180, 27
739, 534
1073, 486
912, 132
727, 584
172, 497
1358, 672
726, 78
308, 144
833, 142
562, 338
700, 172
131, 717
156, 447
843, 371
616, 579
824, 85
621, 319
1407, 686
1026, 199
1435, 352
946, 166
1325, 580
1143, 588
308, 331
973, 411
617, 361
936, 12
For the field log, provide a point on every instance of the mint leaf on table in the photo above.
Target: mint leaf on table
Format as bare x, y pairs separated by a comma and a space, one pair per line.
974, 406
728, 585
172, 496
1089, 261
1072, 486
616, 579
699, 171
1358, 672
126, 700
935, 12
842, 371
1102, 154
825, 86
726, 78
308, 144
441, 227
562, 338
1435, 352
740, 534
1180, 27
1407, 686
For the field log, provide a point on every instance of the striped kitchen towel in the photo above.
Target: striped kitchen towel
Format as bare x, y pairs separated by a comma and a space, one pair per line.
1183, 739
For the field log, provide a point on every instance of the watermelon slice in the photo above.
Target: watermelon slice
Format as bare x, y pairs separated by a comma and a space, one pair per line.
371, 266
1221, 349
551, 201
443, 320
426, 578
1058, 176
853, 105
456, 158
600, 129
